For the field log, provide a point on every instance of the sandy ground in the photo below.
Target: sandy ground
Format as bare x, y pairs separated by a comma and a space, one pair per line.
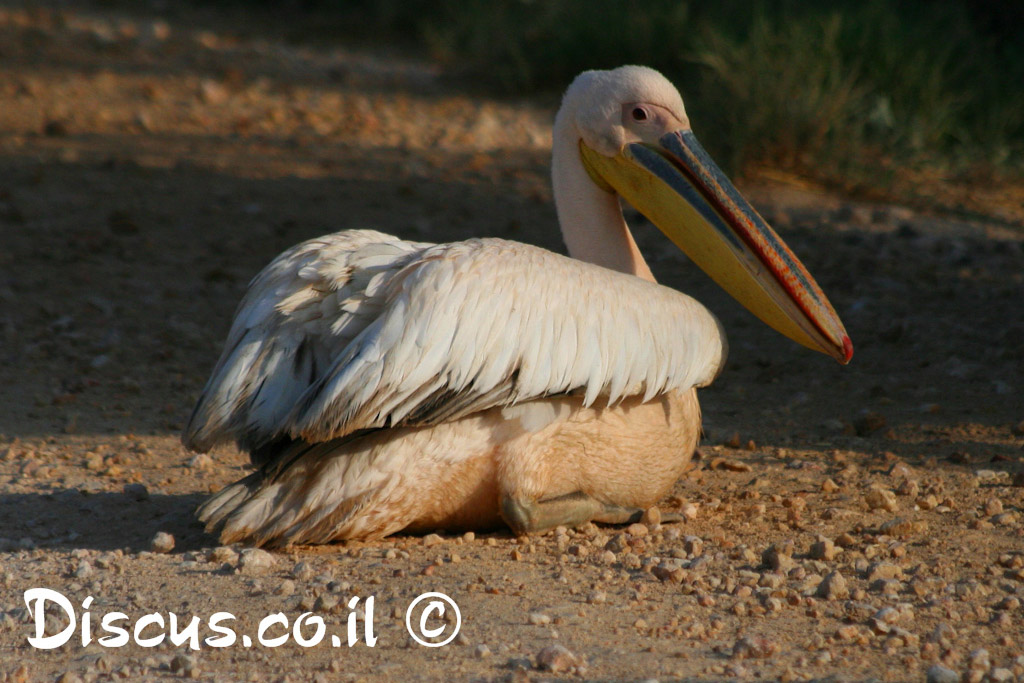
844, 523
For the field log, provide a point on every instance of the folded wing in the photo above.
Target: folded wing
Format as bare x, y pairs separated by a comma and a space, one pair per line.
359, 330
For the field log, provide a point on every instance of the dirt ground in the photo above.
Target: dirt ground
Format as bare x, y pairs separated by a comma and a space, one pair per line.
844, 523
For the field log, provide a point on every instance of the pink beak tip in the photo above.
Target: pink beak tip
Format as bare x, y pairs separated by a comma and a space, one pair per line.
847, 350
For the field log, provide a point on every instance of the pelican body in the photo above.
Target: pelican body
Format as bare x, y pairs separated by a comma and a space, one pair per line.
382, 385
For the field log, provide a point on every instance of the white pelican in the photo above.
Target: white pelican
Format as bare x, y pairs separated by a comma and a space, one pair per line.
382, 385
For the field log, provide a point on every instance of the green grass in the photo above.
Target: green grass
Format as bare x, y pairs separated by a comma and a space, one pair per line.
838, 89
882, 97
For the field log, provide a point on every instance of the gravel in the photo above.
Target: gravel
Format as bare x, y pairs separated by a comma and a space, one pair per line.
865, 520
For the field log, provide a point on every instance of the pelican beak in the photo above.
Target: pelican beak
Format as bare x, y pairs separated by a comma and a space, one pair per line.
683, 192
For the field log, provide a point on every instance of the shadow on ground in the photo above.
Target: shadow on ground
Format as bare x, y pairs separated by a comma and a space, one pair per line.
66, 519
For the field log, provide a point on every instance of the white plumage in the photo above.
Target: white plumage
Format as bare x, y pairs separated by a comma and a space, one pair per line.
360, 330
382, 385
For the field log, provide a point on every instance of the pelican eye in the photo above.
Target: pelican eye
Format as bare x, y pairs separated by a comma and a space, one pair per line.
639, 114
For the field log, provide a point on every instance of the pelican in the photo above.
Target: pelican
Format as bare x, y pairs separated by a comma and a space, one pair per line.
381, 385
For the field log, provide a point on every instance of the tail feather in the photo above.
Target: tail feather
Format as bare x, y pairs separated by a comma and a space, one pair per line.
303, 493
216, 509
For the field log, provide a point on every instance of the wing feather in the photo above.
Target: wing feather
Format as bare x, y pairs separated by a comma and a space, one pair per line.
359, 330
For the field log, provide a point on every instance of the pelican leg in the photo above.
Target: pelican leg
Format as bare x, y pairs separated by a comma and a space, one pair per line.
528, 516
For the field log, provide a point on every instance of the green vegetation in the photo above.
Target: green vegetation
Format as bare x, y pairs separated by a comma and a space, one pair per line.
845, 90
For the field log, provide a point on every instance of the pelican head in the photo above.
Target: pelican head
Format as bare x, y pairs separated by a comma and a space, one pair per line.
625, 133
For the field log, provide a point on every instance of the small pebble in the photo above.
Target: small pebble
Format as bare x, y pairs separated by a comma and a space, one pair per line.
518, 665
833, 587
255, 561
556, 659
940, 674
202, 461
162, 542
631, 561
224, 554
884, 570
779, 556
993, 506
846, 541
823, 549
577, 550
666, 571
617, 543
1009, 519
302, 571
881, 499
979, 660
908, 487
751, 648
184, 665
731, 465
850, 632
902, 527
